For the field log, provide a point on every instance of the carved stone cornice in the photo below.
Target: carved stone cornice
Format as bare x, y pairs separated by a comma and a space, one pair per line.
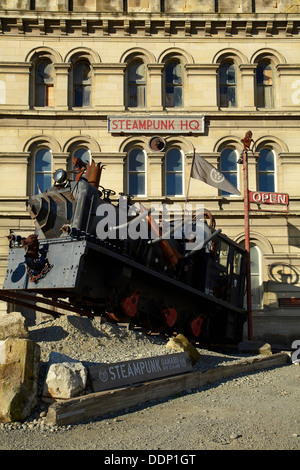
95, 24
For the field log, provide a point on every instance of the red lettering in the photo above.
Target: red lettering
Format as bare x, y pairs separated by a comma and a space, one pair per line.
128, 124
268, 198
282, 199
142, 124
194, 126
114, 124
265, 197
149, 124
121, 123
256, 197
135, 125
164, 124
183, 125
171, 125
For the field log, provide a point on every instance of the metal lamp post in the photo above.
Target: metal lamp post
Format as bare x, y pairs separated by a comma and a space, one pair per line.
247, 142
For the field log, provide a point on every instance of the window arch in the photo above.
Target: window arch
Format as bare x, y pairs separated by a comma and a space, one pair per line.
266, 170
42, 170
229, 167
136, 79
227, 84
136, 172
82, 81
44, 83
174, 175
264, 84
173, 77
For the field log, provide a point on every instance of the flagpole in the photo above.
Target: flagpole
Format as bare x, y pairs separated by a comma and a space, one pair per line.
247, 141
189, 183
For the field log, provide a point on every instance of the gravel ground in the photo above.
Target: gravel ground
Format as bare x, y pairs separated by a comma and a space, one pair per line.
258, 411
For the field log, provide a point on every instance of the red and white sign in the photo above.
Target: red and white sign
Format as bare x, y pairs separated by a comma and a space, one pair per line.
155, 124
259, 197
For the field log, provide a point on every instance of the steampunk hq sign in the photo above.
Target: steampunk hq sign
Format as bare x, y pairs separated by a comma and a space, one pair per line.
156, 124
110, 376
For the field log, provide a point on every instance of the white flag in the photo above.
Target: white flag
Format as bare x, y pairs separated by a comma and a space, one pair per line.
204, 171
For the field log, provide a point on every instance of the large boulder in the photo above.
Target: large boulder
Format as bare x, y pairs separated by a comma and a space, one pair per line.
13, 325
255, 347
19, 374
181, 343
64, 380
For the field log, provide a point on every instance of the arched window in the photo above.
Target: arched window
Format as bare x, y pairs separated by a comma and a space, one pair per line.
173, 84
81, 153
44, 83
264, 85
136, 84
174, 172
137, 172
227, 84
266, 170
82, 84
42, 170
256, 277
229, 167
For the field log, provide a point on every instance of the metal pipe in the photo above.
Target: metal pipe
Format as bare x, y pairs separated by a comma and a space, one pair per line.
201, 245
167, 234
126, 224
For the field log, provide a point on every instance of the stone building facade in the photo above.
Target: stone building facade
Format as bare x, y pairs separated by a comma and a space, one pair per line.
97, 79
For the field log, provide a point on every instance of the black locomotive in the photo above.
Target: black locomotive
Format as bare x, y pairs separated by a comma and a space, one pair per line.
86, 257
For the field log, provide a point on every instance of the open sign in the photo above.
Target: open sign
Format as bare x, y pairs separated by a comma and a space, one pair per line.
259, 197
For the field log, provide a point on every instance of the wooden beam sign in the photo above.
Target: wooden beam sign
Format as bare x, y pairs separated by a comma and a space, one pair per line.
111, 376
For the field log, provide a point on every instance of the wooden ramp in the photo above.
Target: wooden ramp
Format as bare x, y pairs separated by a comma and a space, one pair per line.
99, 404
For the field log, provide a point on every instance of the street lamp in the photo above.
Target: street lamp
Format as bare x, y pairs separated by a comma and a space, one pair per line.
247, 140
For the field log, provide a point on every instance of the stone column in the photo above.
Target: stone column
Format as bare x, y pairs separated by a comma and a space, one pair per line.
154, 87
155, 174
14, 76
61, 86
60, 160
200, 87
108, 90
247, 93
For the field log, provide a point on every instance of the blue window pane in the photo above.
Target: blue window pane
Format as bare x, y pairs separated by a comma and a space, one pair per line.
174, 160
82, 73
43, 181
136, 160
83, 154
264, 74
44, 72
266, 160
174, 184
43, 160
228, 160
174, 73
137, 183
133, 96
137, 72
227, 74
173, 96
266, 182
231, 95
